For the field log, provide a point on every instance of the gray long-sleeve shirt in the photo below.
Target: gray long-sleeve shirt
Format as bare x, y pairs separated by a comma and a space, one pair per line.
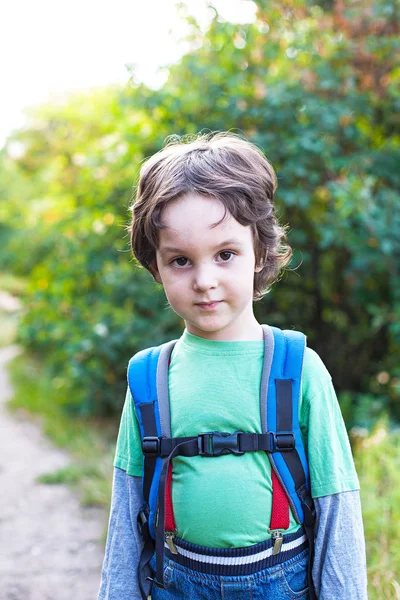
339, 569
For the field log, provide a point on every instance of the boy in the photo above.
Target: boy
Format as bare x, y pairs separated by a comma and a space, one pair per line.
204, 226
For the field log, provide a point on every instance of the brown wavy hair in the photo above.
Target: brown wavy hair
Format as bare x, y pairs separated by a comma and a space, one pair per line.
226, 167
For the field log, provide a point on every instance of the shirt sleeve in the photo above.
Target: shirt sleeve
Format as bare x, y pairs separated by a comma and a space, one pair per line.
119, 577
128, 453
339, 569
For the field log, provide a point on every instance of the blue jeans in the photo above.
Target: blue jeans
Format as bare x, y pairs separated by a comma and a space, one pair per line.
286, 581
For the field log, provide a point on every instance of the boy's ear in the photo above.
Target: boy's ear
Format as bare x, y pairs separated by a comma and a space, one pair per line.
154, 271
261, 262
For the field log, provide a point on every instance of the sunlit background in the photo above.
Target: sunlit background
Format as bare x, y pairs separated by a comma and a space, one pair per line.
50, 49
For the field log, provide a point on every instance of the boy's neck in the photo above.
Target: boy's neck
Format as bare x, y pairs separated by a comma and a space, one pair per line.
253, 332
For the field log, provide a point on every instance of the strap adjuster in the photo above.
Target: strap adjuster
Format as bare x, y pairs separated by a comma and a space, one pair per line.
282, 441
151, 446
142, 519
215, 443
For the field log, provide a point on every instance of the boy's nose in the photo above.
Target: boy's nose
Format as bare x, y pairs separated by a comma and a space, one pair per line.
204, 279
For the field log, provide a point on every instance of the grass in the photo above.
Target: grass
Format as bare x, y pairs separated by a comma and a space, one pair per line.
9, 319
377, 458
16, 286
8, 328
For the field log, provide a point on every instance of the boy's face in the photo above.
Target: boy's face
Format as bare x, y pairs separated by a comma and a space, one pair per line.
207, 272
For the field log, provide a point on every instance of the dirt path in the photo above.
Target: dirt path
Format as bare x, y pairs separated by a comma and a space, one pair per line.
49, 544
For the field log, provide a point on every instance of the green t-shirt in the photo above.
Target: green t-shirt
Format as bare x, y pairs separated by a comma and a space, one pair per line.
214, 386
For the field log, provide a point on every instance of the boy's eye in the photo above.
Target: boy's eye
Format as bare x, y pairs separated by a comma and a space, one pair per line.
226, 255
181, 261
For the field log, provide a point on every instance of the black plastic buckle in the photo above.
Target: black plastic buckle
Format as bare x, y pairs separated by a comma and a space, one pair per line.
216, 443
142, 519
151, 446
284, 441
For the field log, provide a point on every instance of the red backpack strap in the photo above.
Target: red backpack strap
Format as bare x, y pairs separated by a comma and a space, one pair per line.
169, 509
280, 518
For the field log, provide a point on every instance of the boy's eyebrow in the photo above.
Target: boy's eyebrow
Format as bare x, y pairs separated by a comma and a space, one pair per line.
223, 244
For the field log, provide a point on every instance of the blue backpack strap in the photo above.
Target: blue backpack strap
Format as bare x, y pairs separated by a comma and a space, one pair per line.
148, 384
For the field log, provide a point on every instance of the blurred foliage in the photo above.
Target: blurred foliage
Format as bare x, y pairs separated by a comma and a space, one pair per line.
315, 85
377, 458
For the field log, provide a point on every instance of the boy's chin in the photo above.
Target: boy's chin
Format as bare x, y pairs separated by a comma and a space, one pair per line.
208, 330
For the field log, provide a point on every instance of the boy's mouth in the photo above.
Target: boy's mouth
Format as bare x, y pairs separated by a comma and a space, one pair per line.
208, 305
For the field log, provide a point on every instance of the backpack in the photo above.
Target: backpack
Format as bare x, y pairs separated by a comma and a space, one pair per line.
280, 439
